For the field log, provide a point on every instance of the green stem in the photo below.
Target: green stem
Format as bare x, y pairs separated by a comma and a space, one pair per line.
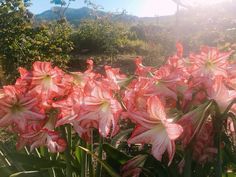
218, 128
90, 159
69, 141
228, 108
218, 125
90, 162
83, 160
98, 168
67, 154
218, 168
188, 163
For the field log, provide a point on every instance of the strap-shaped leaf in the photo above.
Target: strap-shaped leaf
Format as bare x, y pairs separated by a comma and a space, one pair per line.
7, 171
29, 174
107, 167
36, 162
115, 154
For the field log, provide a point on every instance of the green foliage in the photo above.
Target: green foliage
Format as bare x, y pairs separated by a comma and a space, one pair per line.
157, 37
22, 43
100, 36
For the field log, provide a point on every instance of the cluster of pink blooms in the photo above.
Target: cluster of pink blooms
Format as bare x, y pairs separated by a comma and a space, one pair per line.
46, 97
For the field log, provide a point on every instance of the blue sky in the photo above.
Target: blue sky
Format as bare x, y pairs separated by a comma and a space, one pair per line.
141, 8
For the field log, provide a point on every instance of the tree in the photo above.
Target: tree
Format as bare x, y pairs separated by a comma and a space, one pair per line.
21, 42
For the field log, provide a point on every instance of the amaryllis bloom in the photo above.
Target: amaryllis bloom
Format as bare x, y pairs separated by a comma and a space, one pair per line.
70, 112
180, 49
166, 81
43, 137
23, 82
231, 79
48, 82
42, 133
210, 63
155, 129
80, 79
17, 108
196, 92
177, 64
220, 93
136, 95
69, 107
142, 70
195, 123
190, 121
101, 109
114, 77
204, 149
133, 167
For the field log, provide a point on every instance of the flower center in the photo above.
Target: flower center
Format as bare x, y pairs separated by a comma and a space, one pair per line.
105, 106
47, 80
17, 107
209, 64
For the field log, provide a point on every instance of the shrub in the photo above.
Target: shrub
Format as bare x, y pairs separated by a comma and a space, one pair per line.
22, 43
100, 36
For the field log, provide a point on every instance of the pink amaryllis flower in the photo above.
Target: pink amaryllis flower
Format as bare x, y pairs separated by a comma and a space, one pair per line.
38, 137
191, 121
42, 133
101, 109
23, 82
142, 70
18, 108
48, 82
220, 93
70, 112
69, 107
114, 78
209, 63
180, 49
166, 81
203, 149
80, 79
155, 129
231, 79
133, 167
137, 93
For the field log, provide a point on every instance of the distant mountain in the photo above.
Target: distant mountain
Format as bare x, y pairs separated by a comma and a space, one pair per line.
74, 16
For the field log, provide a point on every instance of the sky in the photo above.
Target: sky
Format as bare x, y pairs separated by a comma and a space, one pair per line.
141, 8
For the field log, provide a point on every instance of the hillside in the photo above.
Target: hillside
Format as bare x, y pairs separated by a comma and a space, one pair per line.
74, 16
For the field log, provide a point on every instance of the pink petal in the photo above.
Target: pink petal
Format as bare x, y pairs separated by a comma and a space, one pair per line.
173, 130
155, 108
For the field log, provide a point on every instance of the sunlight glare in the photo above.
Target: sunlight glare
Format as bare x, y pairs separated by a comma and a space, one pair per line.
157, 7
201, 2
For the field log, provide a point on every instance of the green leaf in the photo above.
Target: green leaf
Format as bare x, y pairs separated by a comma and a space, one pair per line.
35, 162
154, 167
7, 171
107, 167
28, 174
120, 136
115, 154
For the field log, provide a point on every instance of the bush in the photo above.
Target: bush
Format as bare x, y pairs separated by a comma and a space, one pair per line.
100, 36
21, 43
